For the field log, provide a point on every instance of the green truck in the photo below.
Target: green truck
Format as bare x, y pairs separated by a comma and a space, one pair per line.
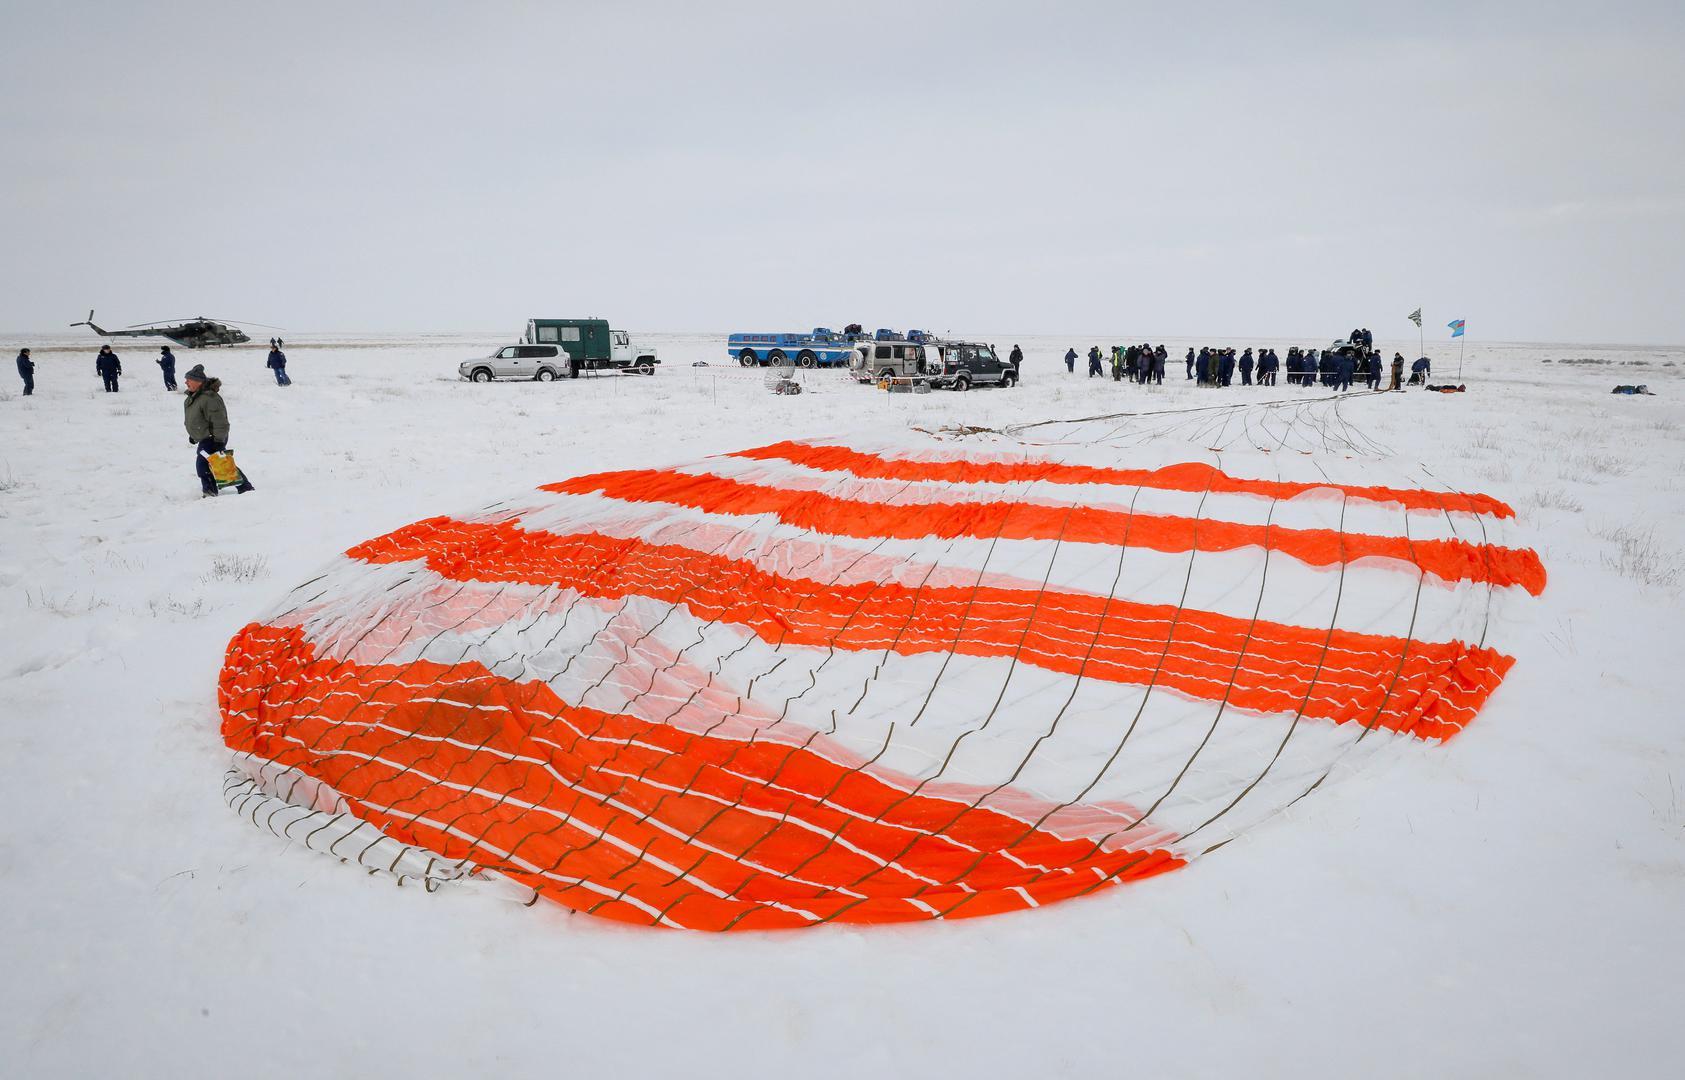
590, 343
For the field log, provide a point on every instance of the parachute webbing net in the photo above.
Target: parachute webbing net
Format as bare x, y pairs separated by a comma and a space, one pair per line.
876, 679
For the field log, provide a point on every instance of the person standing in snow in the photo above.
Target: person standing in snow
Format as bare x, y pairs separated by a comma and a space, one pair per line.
1246, 368
1374, 371
1227, 367
1347, 366
108, 367
1094, 367
1017, 362
1159, 357
1202, 367
1071, 361
206, 419
167, 363
1190, 361
1397, 371
26, 372
278, 364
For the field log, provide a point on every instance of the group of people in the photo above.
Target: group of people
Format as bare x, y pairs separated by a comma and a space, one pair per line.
109, 367
1143, 363
1217, 367
203, 412
1337, 368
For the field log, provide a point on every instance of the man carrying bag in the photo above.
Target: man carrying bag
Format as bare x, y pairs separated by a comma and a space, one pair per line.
207, 429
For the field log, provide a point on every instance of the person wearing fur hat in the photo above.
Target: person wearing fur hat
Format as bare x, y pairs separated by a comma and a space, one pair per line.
26, 372
206, 418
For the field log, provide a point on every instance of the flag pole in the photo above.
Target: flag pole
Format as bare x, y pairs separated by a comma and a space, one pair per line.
1462, 343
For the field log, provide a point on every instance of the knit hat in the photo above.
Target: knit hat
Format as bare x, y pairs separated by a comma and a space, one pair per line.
196, 373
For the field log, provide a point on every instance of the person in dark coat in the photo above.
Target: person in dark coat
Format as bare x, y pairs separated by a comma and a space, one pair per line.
1374, 371
1246, 363
1071, 361
1094, 367
278, 364
206, 418
26, 372
1190, 359
1017, 358
1420, 370
167, 364
108, 367
1397, 372
1368, 339
1202, 367
1227, 367
1159, 357
1347, 367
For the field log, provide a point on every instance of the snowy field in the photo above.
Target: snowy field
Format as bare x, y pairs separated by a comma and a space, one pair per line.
1507, 904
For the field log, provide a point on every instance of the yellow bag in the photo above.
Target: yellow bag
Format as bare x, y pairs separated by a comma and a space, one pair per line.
223, 468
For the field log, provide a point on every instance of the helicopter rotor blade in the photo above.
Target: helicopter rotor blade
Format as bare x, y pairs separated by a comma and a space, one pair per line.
243, 322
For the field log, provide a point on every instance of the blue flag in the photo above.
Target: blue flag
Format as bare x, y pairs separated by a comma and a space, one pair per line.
1456, 326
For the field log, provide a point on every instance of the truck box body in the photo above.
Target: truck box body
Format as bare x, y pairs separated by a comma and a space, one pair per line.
591, 343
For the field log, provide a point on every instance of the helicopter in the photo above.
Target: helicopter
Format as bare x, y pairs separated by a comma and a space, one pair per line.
195, 333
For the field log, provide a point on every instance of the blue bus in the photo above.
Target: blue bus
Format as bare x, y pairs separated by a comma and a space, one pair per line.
821, 348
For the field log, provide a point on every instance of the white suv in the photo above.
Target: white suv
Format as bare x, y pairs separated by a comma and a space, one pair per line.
541, 362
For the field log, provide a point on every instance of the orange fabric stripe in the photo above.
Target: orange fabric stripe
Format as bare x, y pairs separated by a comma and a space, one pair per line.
1186, 476
1264, 667
1449, 560
484, 765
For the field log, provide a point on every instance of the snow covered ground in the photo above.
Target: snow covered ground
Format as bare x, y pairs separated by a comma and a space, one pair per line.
1507, 904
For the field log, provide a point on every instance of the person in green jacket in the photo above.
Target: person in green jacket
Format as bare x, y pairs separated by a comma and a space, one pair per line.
206, 418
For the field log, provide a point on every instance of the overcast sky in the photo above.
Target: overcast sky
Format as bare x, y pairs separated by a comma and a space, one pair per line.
1151, 169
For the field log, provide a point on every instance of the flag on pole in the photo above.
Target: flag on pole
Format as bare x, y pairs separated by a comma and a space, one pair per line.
1456, 326
1416, 317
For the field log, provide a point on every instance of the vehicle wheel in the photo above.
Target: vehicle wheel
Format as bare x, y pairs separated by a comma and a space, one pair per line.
807, 359
646, 368
1008, 379
482, 375
776, 356
963, 383
545, 375
746, 358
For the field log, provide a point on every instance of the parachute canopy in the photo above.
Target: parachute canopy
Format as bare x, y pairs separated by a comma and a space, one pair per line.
865, 680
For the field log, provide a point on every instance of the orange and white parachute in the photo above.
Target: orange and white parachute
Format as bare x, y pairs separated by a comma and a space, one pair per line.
865, 680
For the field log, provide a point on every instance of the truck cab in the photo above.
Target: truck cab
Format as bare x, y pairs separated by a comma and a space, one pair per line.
591, 344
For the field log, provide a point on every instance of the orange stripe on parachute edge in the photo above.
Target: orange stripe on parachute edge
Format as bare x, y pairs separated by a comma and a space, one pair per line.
507, 775
1184, 476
